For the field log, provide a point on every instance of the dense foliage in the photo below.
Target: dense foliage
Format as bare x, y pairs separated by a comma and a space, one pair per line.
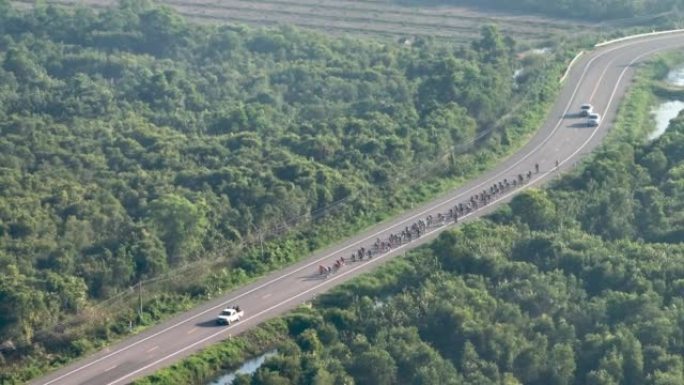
132, 142
586, 9
581, 284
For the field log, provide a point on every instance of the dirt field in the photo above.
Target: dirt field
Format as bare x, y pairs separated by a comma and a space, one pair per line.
365, 17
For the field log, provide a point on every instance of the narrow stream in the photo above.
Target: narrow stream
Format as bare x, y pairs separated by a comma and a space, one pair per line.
669, 109
663, 114
248, 367
676, 77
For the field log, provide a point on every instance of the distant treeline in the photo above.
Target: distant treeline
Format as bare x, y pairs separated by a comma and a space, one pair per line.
589, 9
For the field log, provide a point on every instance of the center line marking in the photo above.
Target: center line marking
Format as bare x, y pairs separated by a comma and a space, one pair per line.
192, 330
307, 265
150, 350
381, 257
266, 296
108, 369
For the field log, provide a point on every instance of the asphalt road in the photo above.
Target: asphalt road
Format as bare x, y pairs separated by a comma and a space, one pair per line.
600, 77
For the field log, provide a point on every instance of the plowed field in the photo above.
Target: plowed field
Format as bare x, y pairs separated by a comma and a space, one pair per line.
365, 17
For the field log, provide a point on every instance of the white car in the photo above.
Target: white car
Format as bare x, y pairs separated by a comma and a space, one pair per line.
594, 119
586, 109
230, 315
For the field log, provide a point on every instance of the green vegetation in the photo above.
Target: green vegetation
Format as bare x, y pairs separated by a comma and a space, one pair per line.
580, 284
228, 354
663, 89
591, 9
133, 144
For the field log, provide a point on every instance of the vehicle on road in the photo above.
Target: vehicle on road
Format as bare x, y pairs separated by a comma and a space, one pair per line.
594, 119
296, 288
586, 109
230, 315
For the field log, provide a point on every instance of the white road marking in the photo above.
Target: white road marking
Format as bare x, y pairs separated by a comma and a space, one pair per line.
108, 369
598, 83
610, 101
192, 330
375, 259
150, 350
408, 220
266, 296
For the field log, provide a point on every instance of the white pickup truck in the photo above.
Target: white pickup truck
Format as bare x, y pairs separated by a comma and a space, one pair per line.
230, 315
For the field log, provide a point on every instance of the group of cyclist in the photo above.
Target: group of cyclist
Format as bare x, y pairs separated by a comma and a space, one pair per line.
327, 270
420, 227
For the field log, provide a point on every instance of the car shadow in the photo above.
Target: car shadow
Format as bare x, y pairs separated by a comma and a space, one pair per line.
209, 324
572, 115
579, 125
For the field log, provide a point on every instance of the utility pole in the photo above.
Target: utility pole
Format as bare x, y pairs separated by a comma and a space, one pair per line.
261, 238
140, 310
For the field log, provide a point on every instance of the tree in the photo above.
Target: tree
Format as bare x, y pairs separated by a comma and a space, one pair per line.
180, 225
21, 306
69, 290
534, 208
656, 163
267, 377
163, 29
633, 358
612, 214
493, 46
18, 60
309, 341
323, 377
374, 366
562, 365
600, 377
651, 213
529, 364
149, 254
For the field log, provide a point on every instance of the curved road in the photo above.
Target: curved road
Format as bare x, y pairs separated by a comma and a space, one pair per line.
600, 77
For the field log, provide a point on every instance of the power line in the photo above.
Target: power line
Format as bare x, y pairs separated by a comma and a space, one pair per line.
422, 171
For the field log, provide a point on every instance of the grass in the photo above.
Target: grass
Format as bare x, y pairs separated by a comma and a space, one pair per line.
221, 357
